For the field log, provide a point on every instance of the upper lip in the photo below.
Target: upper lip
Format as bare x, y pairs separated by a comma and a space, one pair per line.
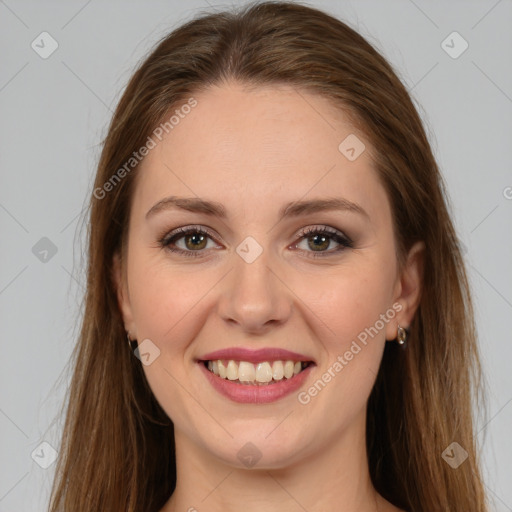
255, 356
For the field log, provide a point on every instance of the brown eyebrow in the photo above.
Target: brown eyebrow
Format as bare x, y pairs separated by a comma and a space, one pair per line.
293, 209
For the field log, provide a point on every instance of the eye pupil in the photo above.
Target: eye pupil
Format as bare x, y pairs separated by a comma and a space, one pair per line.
197, 238
322, 239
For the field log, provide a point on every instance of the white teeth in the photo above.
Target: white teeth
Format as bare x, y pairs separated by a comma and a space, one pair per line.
277, 370
263, 372
246, 372
288, 369
232, 370
222, 369
260, 373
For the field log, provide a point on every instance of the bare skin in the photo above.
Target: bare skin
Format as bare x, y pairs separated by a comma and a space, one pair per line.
254, 151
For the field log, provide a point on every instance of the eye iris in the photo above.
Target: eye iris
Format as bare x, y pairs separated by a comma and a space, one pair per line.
323, 240
198, 240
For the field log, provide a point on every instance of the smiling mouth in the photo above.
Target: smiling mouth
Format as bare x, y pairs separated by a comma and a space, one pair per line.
259, 374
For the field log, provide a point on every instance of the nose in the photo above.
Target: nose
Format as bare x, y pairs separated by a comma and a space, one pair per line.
254, 297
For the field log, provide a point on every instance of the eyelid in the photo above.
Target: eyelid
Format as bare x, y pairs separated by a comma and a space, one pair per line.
344, 242
338, 236
183, 230
322, 228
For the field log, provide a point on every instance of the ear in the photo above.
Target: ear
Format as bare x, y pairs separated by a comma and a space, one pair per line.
123, 299
408, 290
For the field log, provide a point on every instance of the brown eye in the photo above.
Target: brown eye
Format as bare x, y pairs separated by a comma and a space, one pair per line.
195, 240
319, 240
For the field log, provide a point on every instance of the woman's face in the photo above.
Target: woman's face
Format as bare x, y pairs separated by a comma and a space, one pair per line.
256, 280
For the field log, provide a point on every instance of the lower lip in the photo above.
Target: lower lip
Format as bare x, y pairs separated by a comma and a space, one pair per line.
256, 394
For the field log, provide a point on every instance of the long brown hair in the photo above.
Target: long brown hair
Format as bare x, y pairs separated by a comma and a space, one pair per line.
117, 450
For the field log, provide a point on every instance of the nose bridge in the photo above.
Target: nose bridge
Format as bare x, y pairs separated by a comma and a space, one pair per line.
254, 296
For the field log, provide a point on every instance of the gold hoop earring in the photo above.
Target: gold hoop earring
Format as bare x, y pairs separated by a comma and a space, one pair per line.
132, 343
401, 337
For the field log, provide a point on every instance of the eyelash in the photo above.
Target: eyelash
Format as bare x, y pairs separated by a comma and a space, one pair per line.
343, 241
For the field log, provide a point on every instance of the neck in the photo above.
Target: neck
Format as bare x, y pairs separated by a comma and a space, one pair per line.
336, 478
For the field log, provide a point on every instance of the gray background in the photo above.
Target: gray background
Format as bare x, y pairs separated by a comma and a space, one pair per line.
54, 113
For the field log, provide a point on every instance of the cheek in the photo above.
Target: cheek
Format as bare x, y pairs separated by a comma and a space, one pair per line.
351, 311
167, 304
166, 301
354, 298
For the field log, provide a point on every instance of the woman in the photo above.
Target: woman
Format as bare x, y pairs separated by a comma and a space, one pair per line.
269, 230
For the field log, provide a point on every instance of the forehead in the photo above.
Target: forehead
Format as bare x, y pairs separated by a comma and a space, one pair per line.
249, 148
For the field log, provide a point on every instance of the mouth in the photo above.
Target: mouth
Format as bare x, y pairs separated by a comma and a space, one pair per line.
261, 382
263, 373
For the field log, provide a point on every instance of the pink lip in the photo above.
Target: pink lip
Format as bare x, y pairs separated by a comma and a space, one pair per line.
255, 394
255, 356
